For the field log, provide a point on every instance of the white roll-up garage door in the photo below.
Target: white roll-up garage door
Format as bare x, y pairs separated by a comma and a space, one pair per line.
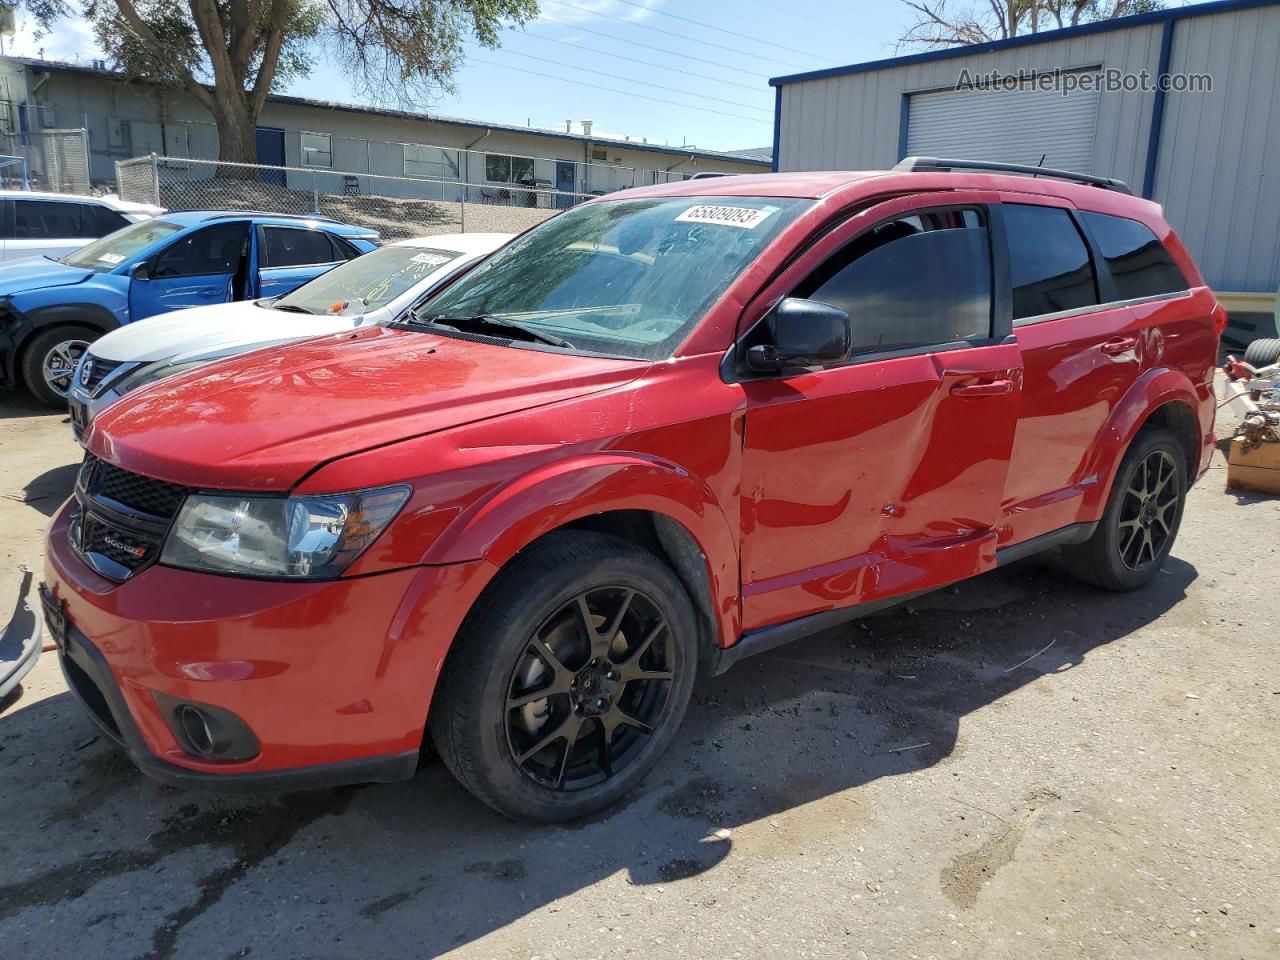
1011, 126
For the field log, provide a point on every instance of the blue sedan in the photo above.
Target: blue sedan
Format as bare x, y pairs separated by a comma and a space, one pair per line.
52, 309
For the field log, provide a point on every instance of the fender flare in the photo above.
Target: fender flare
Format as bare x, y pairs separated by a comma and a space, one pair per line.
1152, 390
512, 516
26, 323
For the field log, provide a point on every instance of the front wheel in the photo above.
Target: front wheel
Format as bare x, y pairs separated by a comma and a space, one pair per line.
569, 679
49, 362
1141, 519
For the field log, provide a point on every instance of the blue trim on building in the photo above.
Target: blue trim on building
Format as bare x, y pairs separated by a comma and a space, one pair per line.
904, 121
1157, 111
1103, 26
777, 128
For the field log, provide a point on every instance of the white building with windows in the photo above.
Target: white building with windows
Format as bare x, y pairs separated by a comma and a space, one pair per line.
126, 120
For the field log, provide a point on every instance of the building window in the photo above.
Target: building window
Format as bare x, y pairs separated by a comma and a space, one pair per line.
500, 168
317, 149
421, 160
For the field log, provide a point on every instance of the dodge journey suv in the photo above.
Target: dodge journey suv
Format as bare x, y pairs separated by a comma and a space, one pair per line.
662, 431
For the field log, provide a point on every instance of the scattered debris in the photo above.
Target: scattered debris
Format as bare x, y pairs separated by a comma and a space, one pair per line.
1032, 657
914, 746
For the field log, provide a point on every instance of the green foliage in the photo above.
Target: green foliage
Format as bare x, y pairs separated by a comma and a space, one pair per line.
392, 49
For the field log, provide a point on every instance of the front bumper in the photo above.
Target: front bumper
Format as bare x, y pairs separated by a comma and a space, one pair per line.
333, 678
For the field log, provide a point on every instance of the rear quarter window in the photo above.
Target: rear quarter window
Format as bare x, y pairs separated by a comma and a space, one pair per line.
1139, 263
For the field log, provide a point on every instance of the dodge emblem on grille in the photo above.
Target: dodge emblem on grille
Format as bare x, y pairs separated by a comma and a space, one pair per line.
137, 551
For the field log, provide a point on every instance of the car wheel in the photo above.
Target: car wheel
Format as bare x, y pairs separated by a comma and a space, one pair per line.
49, 362
568, 680
1141, 519
1262, 353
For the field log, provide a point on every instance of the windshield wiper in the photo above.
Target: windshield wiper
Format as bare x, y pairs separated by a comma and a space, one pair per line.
292, 308
488, 321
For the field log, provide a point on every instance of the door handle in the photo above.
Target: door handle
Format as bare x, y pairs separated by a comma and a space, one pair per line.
986, 388
1118, 345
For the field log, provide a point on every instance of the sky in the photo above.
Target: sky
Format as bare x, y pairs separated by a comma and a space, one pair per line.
673, 72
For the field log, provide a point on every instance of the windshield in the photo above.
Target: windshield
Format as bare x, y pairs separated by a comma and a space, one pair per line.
624, 277
107, 253
368, 282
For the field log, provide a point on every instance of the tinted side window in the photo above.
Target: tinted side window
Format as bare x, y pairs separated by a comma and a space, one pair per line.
45, 219
288, 247
343, 249
1048, 262
99, 221
1140, 265
918, 280
213, 250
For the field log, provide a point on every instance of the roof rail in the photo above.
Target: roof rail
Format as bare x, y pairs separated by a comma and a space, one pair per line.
708, 174
227, 214
941, 165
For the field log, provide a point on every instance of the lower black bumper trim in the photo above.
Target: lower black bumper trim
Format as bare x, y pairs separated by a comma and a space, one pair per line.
80, 656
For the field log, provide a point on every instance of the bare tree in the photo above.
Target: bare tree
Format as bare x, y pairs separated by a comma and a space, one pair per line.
229, 54
946, 23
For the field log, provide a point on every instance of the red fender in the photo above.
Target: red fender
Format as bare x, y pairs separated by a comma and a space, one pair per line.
1150, 391
511, 517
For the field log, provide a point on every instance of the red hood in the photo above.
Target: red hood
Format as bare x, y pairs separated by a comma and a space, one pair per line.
265, 420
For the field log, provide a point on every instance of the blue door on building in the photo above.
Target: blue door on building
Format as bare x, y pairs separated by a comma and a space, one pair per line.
566, 176
271, 153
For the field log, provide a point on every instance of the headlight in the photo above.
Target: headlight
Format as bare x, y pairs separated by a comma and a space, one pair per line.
156, 371
302, 537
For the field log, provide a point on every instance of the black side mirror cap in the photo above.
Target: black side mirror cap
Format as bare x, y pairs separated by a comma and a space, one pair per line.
141, 271
802, 334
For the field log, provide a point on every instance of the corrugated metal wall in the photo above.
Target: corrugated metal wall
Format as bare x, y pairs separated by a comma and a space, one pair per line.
1218, 174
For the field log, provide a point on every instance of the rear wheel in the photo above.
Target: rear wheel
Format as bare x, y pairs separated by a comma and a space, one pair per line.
49, 362
1141, 519
1262, 353
569, 680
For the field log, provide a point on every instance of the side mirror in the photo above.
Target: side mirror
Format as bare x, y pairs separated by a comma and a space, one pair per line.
802, 333
141, 271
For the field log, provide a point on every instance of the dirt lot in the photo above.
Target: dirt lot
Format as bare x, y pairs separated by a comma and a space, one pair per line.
1021, 767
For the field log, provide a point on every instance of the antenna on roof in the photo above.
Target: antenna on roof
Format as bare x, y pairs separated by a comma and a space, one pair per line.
1040, 164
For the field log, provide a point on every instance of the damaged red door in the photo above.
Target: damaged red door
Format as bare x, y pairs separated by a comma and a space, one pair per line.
884, 475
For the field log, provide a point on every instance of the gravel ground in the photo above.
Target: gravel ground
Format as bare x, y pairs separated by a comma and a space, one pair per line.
1019, 767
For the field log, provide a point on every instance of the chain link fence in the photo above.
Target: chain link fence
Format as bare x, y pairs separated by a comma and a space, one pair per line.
397, 207
56, 160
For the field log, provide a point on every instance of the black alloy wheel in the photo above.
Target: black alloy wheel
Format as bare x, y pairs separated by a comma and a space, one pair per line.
589, 688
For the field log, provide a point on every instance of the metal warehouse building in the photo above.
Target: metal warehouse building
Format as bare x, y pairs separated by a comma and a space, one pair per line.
1211, 157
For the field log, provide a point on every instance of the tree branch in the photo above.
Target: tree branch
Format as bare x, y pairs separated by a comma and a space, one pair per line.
140, 29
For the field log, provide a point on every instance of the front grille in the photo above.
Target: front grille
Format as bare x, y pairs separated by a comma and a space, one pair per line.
127, 548
122, 517
101, 368
156, 498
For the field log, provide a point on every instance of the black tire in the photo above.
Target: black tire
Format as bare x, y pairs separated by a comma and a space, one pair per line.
52, 345
1140, 523
487, 719
1263, 353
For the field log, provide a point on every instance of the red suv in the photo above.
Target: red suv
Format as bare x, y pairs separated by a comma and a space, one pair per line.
660, 432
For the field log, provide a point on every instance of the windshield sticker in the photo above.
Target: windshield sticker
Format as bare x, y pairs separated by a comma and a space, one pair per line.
111, 258
429, 259
746, 218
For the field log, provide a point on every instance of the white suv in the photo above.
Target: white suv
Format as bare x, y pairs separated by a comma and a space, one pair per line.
55, 224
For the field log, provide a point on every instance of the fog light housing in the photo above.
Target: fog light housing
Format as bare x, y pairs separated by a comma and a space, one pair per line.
208, 732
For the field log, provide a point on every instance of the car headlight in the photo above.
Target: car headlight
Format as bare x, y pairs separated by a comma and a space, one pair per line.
156, 371
297, 537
